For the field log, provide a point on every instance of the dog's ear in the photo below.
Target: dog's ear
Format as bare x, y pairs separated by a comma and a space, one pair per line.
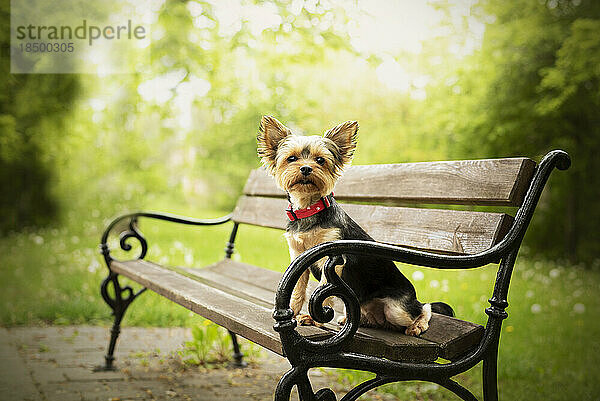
344, 136
270, 134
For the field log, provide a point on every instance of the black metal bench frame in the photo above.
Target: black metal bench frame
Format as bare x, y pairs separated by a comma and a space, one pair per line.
304, 353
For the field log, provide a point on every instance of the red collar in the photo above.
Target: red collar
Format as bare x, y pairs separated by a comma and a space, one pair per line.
313, 209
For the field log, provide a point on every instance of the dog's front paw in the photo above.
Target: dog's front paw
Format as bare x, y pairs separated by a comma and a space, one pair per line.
421, 323
341, 320
307, 320
419, 326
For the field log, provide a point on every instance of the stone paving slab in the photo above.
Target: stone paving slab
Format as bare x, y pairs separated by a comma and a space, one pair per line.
57, 364
14, 375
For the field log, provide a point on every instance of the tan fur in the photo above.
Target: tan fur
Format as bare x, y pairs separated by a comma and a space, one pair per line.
371, 313
421, 323
271, 133
395, 314
299, 242
289, 177
299, 294
344, 136
385, 312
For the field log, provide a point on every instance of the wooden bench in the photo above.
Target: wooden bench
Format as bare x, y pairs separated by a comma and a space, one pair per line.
244, 298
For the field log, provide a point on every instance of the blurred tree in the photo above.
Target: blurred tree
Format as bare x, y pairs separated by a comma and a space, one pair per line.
181, 130
214, 71
533, 86
31, 112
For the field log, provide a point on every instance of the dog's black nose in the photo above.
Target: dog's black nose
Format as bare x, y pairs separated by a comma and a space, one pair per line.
306, 170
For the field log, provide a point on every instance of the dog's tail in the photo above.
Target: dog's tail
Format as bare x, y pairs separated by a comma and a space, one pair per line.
442, 308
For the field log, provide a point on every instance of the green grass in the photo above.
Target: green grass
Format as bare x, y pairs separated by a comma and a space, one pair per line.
548, 350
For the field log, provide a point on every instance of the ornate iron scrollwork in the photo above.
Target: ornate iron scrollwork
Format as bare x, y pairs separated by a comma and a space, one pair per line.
335, 287
133, 232
123, 296
285, 322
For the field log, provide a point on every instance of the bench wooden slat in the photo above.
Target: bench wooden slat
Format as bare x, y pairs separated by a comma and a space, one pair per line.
245, 317
379, 343
206, 301
239, 297
474, 182
450, 336
448, 231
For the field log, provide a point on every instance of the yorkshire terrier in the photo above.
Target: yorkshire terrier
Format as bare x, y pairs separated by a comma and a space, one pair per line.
307, 168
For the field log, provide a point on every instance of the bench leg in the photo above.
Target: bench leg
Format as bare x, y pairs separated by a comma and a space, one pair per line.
299, 377
238, 356
304, 387
490, 379
123, 296
283, 390
294, 377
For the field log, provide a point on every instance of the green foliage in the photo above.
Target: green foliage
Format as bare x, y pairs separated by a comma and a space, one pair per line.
576, 71
532, 87
181, 131
32, 109
210, 345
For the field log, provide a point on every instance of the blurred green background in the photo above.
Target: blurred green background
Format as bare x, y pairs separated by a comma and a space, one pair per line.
435, 80
426, 80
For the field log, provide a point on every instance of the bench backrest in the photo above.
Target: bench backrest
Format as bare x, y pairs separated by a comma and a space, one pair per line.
380, 188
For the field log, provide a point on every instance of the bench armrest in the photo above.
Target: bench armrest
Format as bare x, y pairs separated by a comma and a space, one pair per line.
132, 230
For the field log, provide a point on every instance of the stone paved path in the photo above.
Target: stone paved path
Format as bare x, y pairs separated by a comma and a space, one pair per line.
56, 364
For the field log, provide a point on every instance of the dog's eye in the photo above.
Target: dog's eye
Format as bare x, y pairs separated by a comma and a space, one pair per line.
292, 159
320, 160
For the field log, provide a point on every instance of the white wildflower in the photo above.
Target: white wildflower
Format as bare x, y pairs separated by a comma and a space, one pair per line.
93, 266
418, 275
